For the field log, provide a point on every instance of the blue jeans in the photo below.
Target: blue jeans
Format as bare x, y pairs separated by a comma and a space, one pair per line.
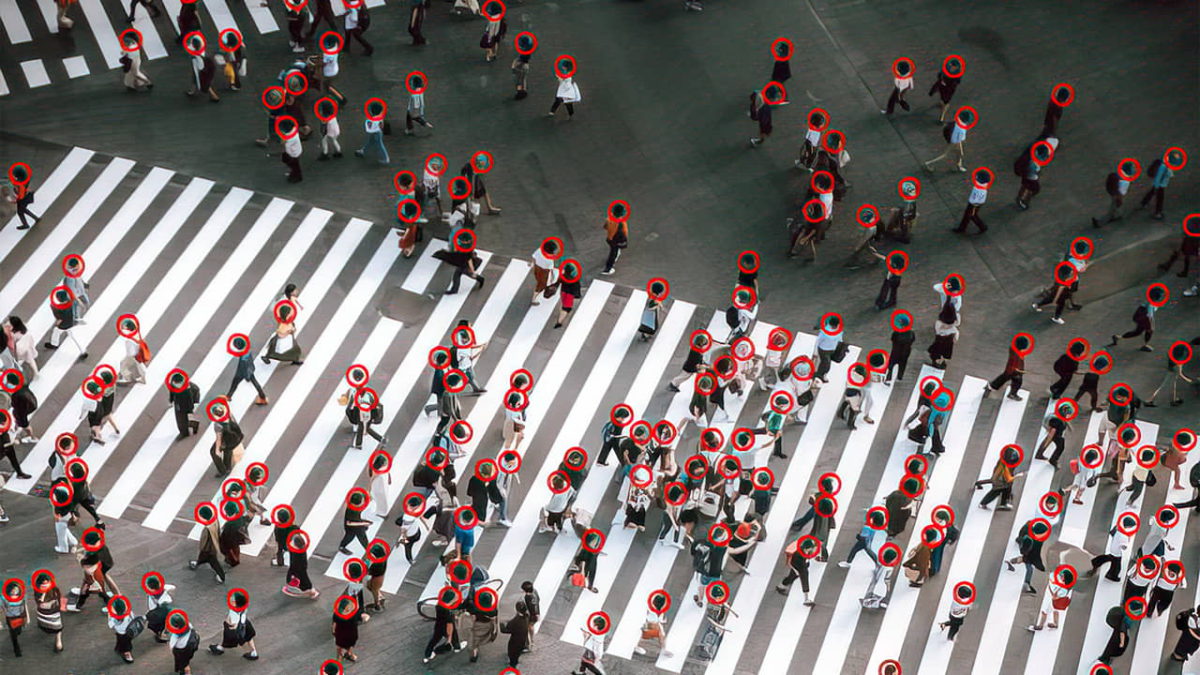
375, 139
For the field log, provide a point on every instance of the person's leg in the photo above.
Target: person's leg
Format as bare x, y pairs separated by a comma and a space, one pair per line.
570, 110
614, 252
1159, 195
554, 107
891, 102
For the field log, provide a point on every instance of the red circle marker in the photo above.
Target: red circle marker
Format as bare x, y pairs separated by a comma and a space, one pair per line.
822, 182
599, 623
658, 289
695, 467
762, 478
954, 66
378, 550
1065, 274
620, 415
742, 439
1184, 440
1191, 225
1070, 581
641, 476
1180, 352
890, 554
61, 297
705, 384
331, 43
233, 488
366, 399
1147, 457
782, 402
127, 326
665, 432
1063, 94
375, 109
1129, 435
916, 465
286, 127
831, 324
1039, 524
405, 182
1163, 296
1082, 247
298, 542
1066, 409
552, 247
826, 506
773, 93
1012, 455
575, 458
937, 396
155, 588
462, 432
1175, 158
966, 117
195, 44
712, 440
491, 12
556, 479
92, 388
435, 164
1041, 148
414, 504
730, 467
325, 108
521, 380
814, 211
877, 361
354, 569
818, 119
564, 66
1091, 456
465, 518
858, 375
295, 83
6, 421
509, 462
833, 142
486, 599
877, 518
20, 173
177, 380
951, 281
525, 43
459, 188
283, 516
782, 49
890, 667
903, 68
345, 607
93, 539
1022, 339
357, 499
593, 540
700, 340
942, 515
901, 320
224, 38
982, 178
416, 76
868, 216
964, 592
76, 470
62, 494
439, 358
640, 432
479, 472
1148, 567
808, 546
177, 622
717, 592
1051, 504
570, 271
1128, 169
909, 188
1128, 523
932, 536
273, 93
357, 375
72, 265
1136, 607
217, 409
237, 599
449, 598
380, 462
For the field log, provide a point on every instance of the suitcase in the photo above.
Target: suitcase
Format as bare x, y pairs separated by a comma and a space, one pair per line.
649, 325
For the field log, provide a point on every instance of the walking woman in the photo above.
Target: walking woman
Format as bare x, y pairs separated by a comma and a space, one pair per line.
120, 618
1059, 590
496, 28
204, 68
1188, 623
568, 93
1143, 318
585, 562
184, 639
345, 628
298, 583
238, 631
945, 331
16, 612
48, 599
283, 346
131, 62
570, 290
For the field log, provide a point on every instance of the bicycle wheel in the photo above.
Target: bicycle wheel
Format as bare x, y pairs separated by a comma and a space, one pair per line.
427, 608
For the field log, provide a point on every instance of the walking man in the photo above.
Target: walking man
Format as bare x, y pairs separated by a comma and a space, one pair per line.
981, 180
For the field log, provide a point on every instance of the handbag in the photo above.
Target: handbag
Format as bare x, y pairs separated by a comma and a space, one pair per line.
136, 626
589, 656
578, 580
15, 622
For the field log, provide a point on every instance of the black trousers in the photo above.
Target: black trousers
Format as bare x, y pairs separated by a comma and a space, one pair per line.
183, 422
222, 460
971, 215
614, 251
609, 446
558, 101
358, 433
1141, 326
415, 19
1157, 194
352, 533
322, 11
357, 34
896, 97
1060, 385
1013, 379
212, 561
11, 453
955, 623
801, 573
295, 175
1114, 566
23, 210
898, 360
154, 11
1090, 391
439, 634
887, 292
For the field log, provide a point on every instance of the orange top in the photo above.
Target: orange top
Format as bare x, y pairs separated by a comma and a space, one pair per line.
611, 227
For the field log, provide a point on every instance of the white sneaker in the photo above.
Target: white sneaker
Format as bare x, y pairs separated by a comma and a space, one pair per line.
1057, 320
640, 651
1191, 292
505, 523
844, 565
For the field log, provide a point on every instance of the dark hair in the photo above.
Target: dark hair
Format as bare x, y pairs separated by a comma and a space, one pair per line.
17, 324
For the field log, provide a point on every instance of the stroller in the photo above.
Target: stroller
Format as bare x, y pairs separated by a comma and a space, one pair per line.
714, 631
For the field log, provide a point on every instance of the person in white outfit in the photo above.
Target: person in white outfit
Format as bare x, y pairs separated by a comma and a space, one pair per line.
131, 61
568, 93
330, 130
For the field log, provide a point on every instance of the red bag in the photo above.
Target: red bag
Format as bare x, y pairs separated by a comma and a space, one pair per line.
143, 355
577, 579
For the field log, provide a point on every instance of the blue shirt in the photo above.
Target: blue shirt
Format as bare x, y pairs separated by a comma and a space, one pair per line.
827, 342
1163, 176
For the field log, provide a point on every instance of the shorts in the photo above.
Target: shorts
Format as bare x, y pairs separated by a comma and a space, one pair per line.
568, 302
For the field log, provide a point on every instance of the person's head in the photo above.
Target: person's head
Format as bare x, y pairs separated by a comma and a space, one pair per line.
983, 178
1175, 157
903, 69
963, 592
1157, 293
522, 608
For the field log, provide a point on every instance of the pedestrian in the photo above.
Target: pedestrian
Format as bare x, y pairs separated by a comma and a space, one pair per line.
567, 93
21, 352
916, 566
1170, 578
158, 604
151, 9
1119, 538
237, 631
298, 583
210, 542
1058, 588
1030, 539
362, 419
244, 369
1057, 426
1118, 619
445, 626
331, 129
1014, 368
817, 123
616, 234
62, 303
524, 46
354, 525
654, 623
945, 331
377, 560
296, 13
204, 67
48, 601
1188, 624
356, 21
519, 630
97, 564
950, 534
121, 621
887, 560
1161, 171
1177, 356
981, 181
593, 646
188, 20
415, 111
570, 290
135, 76
955, 134
234, 58
1188, 249
1066, 365
1116, 184
797, 554
1100, 363
830, 342
227, 449
781, 52
16, 612
137, 354
902, 78
323, 12
583, 566
948, 79
23, 195
1028, 168
902, 339
533, 605
234, 532
82, 497
416, 18
8, 448
282, 346
373, 126
184, 396
464, 260
868, 539
184, 639
1143, 318
960, 605
292, 149
494, 31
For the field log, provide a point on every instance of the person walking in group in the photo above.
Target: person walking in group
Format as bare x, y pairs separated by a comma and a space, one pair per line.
797, 555
16, 612
1014, 369
1056, 426
567, 93
210, 542
183, 396
282, 346
1161, 171
519, 630
533, 605
354, 526
416, 18
244, 370
948, 79
184, 640
1188, 249
331, 130
520, 64
298, 583
1065, 367
445, 627
1030, 165
356, 21
1116, 184
204, 68
1188, 624
1030, 540
960, 605
137, 355
226, 450
120, 619
1059, 590
292, 149
48, 600
151, 9
237, 631
322, 11
1177, 356
361, 420
23, 196
902, 340
1119, 539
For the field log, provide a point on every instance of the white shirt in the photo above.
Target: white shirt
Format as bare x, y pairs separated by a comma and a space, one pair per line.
956, 300
957, 609
1155, 536
745, 316
978, 196
903, 83
812, 137
958, 134
351, 18
774, 358
292, 146
120, 625
827, 200
180, 641
541, 260
329, 67
1162, 582
568, 91
517, 416
332, 128
373, 126
558, 502
1057, 591
131, 346
1118, 543
233, 618
1122, 185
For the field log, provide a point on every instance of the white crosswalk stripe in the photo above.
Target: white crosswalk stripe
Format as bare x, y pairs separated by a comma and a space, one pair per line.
196, 262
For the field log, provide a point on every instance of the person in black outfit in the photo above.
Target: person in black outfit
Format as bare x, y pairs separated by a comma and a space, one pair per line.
445, 627
8, 449
353, 523
519, 628
82, 496
155, 12
891, 284
322, 12
902, 342
1065, 367
1091, 382
184, 403
362, 421
24, 197
464, 262
946, 84
188, 20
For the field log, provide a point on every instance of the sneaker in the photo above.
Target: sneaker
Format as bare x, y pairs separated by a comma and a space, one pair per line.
755, 142
844, 565
1146, 348
640, 651
607, 272
1035, 307
505, 523
1191, 292
1058, 320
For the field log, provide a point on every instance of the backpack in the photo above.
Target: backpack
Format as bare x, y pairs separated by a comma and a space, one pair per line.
700, 553
1152, 172
194, 392
731, 317
364, 18
1112, 183
947, 130
1114, 617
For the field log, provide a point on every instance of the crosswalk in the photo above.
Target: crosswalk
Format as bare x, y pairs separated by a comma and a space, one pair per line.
28, 24
197, 261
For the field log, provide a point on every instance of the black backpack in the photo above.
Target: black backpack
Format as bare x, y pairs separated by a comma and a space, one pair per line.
1021, 164
731, 317
947, 130
1112, 183
1153, 170
364, 18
